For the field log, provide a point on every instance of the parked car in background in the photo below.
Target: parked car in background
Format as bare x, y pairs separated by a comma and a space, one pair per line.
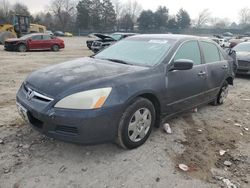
59, 33
243, 56
224, 43
122, 92
48, 32
67, 34
217, 40
35, 41
105, 40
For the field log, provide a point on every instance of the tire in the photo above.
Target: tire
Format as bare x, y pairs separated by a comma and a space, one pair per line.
55, 48
21, 48
221, 97
136, 124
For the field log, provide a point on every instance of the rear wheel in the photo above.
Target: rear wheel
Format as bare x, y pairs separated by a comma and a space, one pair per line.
55, 48
222, 96
136, 124
22, 48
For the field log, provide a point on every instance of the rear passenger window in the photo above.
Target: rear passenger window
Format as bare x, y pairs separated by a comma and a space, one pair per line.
46, 37
37, 37
189, 50
211, 52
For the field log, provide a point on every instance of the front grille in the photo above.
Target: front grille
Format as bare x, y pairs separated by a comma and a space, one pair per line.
66, 129
36, 95
243, 63
96, 43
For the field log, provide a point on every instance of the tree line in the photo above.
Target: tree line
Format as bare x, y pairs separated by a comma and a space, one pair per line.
113, 15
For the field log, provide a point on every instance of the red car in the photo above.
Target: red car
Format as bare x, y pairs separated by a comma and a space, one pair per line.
35, 41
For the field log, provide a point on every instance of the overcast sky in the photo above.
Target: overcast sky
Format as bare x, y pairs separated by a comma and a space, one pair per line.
218, 8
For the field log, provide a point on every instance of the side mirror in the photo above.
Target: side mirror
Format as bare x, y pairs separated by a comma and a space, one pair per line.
183, 64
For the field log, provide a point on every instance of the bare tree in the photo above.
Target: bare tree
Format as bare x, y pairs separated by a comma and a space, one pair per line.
64, 11
203, 18
5, 8
118, 8
133, 9
220, 23
244, 15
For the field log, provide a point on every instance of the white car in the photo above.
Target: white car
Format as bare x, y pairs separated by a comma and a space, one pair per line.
224, 43
49, 32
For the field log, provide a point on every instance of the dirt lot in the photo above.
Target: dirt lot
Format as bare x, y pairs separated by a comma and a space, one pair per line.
29, 159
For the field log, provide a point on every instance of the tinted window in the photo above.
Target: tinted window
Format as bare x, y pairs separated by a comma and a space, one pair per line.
145, 52
189, 50
211, 52
37, 37
46, 37
116, 36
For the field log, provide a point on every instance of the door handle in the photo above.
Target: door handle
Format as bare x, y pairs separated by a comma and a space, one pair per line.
202, 73
224, 67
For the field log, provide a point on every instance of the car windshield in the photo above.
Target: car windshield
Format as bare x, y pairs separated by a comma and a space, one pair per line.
142, 52
26, 37
116, 36
242, 47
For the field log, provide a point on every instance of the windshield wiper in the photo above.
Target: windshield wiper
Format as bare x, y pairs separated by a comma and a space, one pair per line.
119, 61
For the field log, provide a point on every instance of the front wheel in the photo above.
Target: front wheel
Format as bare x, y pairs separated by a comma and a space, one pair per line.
136, 124
222, 96
55, 48
22, 48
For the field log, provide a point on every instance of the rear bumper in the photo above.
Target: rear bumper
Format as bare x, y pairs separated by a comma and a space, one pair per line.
80, 126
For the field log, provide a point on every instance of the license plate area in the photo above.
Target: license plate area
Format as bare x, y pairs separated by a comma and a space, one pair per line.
23, 112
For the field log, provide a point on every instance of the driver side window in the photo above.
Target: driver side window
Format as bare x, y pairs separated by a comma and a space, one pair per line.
189, 50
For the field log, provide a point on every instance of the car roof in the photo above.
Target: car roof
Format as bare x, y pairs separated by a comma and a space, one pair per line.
33, 34
244, 43
119, 33
176, 37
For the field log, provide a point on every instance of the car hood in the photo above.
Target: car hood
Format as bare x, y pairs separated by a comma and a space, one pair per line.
102, 36
243, 56
13, 40
77, 75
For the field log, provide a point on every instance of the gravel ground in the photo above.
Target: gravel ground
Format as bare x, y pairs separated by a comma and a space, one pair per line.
29, 159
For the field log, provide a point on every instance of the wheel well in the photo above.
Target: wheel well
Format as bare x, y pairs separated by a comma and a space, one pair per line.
152, 98
230, 80
21, 43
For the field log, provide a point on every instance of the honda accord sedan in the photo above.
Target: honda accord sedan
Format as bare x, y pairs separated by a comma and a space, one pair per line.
35, 41
121, 93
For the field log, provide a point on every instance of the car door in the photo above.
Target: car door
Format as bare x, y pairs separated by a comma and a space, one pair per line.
185, 88
35, 42
216, 68
47, 42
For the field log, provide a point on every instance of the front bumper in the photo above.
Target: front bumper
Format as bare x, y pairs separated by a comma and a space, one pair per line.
96, 49
243, 70
9, 47
80, 126
243, 67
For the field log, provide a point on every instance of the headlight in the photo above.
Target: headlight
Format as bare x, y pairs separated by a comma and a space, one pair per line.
92, 99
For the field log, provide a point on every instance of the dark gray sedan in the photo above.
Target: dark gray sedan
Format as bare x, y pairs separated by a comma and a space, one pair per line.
243, 56
121, 93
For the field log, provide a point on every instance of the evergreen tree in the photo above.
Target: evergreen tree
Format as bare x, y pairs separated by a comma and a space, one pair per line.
183, 19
